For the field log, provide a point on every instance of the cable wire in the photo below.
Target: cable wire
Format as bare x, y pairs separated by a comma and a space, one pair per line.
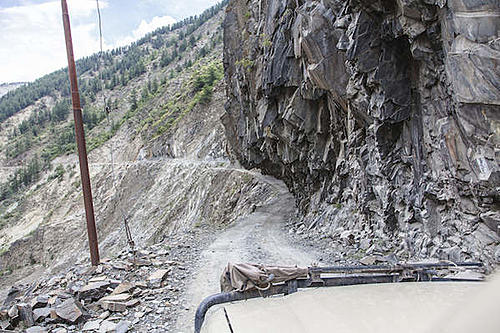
106, 112
100, 23
106, 107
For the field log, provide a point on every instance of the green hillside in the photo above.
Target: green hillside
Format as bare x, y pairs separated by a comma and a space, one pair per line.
130, 82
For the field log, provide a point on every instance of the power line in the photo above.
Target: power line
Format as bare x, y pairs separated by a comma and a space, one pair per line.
104, 99
106, 112
100, 25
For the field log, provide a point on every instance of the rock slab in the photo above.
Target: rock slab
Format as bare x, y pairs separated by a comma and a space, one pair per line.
70, 310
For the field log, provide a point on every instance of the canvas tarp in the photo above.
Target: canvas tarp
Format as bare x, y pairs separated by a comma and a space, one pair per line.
243, 277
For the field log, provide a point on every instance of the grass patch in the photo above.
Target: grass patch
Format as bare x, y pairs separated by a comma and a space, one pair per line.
202, 84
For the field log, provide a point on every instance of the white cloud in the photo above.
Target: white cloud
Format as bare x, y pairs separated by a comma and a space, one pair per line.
181, 8
145, 27
156, 22
32, 37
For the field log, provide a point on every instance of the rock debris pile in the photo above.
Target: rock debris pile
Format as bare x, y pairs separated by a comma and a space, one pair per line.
138, 290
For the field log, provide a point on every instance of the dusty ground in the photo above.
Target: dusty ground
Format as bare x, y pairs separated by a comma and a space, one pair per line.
196, 258
257, 238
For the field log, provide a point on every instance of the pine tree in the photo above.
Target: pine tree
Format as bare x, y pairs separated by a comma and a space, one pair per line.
133, 100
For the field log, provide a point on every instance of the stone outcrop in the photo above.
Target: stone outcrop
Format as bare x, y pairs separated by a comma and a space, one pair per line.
382, 117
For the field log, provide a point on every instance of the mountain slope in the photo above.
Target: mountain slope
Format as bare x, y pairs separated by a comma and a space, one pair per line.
6, 87
160, 162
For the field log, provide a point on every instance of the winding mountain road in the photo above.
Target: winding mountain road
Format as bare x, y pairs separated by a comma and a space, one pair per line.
256, 238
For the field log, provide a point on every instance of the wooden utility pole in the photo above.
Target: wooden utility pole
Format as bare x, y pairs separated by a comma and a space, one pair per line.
80, 140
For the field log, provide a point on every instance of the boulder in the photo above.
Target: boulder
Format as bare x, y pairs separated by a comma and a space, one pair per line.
132, 303
114, 306
13, 293
492, 220
13, 312
36, 329
92, 325
93, 290
107, 326
155, 280
70, 310
497, 254
39, 301
40, 314
116, 298
122, 326
123, 287
26, 314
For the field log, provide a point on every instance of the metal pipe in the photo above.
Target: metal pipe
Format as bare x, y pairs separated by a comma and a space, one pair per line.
392, 268
80, 140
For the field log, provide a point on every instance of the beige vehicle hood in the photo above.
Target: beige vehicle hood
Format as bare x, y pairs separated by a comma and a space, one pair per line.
393, 307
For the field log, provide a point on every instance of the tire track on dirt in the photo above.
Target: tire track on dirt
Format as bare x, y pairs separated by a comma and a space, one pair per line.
256, 238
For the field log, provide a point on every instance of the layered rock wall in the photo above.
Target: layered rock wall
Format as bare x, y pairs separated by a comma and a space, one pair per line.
383, 117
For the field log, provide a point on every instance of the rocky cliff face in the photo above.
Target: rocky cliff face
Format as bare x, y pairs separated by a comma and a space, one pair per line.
383, 117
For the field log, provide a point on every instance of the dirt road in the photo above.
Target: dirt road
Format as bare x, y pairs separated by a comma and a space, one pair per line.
257, 238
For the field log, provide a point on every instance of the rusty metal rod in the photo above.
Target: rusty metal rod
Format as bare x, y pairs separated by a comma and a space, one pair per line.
393, 268
80, 140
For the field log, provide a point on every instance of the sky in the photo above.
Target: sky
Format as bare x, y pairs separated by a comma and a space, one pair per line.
32, 36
